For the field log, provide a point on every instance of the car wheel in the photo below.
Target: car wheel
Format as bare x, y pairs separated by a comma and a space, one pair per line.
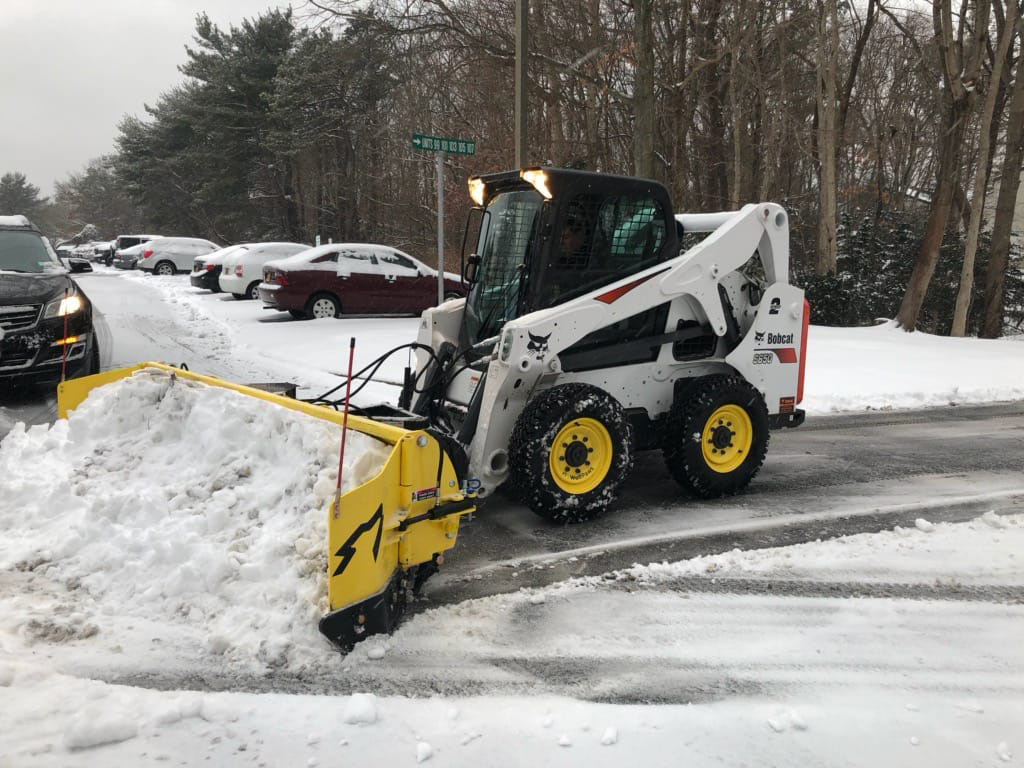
570, 451
239, 296
323, 305
164, 268
298, 314
254, 290
716, 436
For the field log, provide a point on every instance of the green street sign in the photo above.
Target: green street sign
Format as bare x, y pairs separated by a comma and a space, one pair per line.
438, 144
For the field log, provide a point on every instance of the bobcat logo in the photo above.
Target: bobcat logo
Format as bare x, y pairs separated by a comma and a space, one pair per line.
758, 336
538, 345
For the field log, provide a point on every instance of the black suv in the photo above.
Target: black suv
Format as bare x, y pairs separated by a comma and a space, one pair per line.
46, 320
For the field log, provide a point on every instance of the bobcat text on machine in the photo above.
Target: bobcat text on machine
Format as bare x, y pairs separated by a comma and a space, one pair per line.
591, 333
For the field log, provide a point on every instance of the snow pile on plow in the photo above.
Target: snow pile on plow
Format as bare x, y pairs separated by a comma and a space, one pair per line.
191, 513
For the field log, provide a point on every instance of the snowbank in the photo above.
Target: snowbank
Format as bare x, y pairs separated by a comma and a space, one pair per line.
853, 369
848, 369
981, 551
176, 504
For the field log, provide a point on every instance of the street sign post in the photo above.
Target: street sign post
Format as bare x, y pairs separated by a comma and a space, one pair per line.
442, 146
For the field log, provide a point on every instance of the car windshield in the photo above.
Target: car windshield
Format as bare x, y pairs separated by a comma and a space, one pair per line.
26, 252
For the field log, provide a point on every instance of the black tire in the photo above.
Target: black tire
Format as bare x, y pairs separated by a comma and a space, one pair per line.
534, 438
164, 269
298, 314
239, 296
690, 425
322, 305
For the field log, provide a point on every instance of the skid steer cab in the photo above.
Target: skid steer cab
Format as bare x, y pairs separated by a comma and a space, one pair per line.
600, 324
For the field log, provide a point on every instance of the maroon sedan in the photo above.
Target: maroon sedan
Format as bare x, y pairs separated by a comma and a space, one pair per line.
353, 279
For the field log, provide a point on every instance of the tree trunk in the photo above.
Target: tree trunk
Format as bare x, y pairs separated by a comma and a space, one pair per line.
960, 64
828, 74
949, 157
1002, 224
643, 91
963, 294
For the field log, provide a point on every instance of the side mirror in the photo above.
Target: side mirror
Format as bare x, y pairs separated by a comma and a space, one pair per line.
79, 265
474, 225
470, 269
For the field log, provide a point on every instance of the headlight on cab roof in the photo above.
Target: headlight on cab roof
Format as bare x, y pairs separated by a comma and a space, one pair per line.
66, 305
477, 190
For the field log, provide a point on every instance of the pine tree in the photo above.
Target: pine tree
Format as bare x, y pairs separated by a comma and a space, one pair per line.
17, 196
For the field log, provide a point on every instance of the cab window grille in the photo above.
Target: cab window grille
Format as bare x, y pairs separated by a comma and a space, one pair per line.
504, 255
600, 240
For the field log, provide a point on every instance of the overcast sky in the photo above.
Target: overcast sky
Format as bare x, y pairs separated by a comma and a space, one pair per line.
70, 69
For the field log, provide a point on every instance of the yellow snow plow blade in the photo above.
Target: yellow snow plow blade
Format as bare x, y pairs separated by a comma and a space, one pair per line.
386, 536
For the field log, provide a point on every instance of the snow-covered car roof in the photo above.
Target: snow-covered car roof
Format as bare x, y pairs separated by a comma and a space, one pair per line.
135, 250
271, 247
304, 257
156, 242
15, 221
218, 256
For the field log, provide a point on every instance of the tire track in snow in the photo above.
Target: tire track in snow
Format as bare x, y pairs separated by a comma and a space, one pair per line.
603, 644
786, 587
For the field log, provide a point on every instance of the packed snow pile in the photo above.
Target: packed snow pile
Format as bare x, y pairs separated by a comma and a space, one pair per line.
176, 509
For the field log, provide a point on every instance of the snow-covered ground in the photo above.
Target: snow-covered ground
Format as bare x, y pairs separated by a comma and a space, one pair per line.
170, 537
848, 369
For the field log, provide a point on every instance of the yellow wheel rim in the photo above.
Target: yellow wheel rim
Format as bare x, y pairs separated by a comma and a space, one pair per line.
727, 437
580, 456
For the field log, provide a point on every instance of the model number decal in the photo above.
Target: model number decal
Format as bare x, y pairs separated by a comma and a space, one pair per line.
763, 358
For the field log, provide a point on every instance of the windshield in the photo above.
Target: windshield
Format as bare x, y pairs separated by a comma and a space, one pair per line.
505, 236
26, 252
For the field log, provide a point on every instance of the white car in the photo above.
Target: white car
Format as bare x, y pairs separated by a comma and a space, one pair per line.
206, 269
242, 272
167, 255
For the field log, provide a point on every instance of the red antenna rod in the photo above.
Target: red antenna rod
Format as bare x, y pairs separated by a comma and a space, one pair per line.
344, 427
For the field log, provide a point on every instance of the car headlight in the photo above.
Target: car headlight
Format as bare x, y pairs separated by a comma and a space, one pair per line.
66, 305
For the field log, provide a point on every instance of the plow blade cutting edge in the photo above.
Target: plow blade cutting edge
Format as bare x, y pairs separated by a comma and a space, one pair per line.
386, 536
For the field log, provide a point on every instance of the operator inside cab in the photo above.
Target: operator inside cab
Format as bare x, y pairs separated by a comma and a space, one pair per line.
571, 261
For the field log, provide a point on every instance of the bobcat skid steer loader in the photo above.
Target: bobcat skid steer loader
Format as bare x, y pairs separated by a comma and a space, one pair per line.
599, 324
594, 329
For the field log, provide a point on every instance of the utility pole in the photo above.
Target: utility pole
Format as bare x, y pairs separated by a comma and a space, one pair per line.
522, 52
439, 160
